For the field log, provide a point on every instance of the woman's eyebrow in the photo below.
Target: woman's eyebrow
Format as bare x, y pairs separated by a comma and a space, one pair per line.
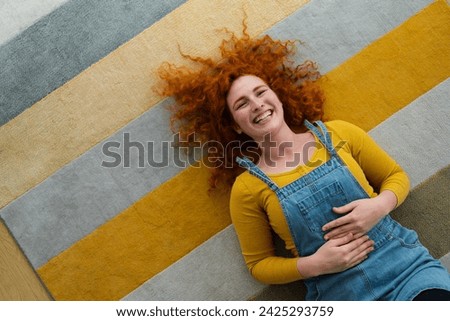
238, 100
243, 96
258, 87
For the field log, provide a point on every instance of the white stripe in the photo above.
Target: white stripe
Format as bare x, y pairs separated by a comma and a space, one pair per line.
17, 15
445, 260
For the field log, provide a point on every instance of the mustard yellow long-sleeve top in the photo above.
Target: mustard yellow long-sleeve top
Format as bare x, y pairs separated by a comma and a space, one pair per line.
256, 211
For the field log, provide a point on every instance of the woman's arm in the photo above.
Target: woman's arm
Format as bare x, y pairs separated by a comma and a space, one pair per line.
380, 169
255, 237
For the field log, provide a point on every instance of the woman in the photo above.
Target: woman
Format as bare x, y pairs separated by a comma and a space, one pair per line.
325, 188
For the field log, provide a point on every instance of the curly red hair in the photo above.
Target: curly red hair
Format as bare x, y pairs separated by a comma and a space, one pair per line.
202, 113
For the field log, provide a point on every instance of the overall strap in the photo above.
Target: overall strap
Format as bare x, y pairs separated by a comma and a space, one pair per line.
256, 171
323, 135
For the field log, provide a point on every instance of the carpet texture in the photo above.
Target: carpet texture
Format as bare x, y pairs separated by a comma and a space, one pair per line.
75, 84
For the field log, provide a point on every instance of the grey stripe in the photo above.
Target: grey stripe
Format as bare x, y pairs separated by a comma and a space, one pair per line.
82, 195
215, 271
334, 30
445, 260
417, 135
66, 42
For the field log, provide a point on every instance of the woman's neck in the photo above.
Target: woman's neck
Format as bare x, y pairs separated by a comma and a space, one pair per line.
285, 150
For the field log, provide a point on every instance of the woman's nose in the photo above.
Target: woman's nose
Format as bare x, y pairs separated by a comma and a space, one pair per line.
257, 104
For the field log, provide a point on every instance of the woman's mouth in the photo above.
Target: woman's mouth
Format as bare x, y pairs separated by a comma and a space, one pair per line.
262, 117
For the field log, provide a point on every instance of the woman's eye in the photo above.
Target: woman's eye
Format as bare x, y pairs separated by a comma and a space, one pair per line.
242, 104
261, 92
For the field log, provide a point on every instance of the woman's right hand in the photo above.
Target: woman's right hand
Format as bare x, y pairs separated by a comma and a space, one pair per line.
336, 255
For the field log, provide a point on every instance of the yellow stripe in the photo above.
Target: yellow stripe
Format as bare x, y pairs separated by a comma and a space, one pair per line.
390, 73
116, 90
140, 242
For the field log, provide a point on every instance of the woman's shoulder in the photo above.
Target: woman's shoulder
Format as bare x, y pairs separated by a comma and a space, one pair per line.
338, 124
243, 182
344, 129
348, 136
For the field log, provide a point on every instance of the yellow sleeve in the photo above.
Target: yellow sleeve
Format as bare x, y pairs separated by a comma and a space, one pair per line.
255, 237
380, 169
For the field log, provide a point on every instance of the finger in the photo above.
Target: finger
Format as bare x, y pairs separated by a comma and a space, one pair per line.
357, 250
358, 260
336, 223
362, 252
338, 232
364, 249
359, 244
332, 235
357, 235
342, 240
345, 208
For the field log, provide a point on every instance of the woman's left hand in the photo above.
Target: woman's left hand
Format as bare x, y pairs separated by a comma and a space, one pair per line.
361, 215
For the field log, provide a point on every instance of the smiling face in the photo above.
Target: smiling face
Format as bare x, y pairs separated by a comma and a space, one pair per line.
255, 108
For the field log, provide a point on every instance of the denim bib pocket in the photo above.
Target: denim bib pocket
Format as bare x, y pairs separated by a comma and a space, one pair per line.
317, 209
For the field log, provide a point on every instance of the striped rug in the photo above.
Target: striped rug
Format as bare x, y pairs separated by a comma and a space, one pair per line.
76, 97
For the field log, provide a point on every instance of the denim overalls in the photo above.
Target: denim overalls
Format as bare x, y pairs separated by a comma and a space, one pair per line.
398, 269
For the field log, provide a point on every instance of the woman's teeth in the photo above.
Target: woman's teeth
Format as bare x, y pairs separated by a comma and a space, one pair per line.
263, 116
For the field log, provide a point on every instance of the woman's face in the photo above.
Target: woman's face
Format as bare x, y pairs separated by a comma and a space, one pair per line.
255, 108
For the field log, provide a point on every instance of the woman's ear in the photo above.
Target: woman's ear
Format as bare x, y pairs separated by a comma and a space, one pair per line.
237, 129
